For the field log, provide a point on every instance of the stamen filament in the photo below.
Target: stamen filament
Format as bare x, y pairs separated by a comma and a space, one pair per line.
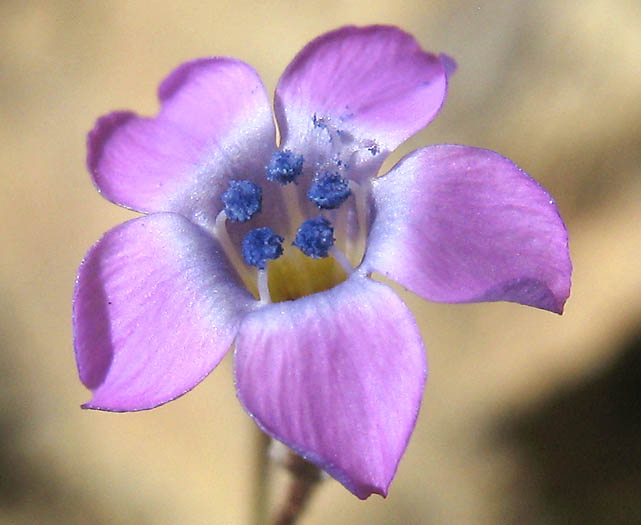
302, 275
220, 232
263, 287
292, 202
360, 196
341, 259
344, 243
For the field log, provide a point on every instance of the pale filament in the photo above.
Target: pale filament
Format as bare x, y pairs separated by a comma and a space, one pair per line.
220, 231
341, 259
360, 197
263, 287
294, 212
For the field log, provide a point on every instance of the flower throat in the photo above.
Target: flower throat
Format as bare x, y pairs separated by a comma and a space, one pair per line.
321, 252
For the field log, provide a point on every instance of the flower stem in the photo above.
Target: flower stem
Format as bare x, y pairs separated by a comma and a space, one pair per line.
304, 478
261, 483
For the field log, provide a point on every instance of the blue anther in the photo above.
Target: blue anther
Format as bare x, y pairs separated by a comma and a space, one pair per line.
243, 199
284, 167
261, 244
315, 237
328, 191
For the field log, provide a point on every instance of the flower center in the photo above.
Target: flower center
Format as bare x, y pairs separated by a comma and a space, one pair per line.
317, 250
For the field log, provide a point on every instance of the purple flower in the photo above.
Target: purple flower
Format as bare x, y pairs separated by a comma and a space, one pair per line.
327, 360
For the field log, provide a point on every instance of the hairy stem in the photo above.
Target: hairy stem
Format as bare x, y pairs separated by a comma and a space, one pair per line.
304, 478
261, 484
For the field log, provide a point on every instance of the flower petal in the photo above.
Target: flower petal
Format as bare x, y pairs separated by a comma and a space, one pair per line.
460, 224
156, 306
449, 64
337, 376
215, 123
368, 88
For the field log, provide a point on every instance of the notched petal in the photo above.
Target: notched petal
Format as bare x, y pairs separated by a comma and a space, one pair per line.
215, 123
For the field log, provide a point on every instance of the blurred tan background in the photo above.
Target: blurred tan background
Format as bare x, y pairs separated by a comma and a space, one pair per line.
527, 418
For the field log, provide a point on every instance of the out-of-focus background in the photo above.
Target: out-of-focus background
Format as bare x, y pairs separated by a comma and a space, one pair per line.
528, 417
